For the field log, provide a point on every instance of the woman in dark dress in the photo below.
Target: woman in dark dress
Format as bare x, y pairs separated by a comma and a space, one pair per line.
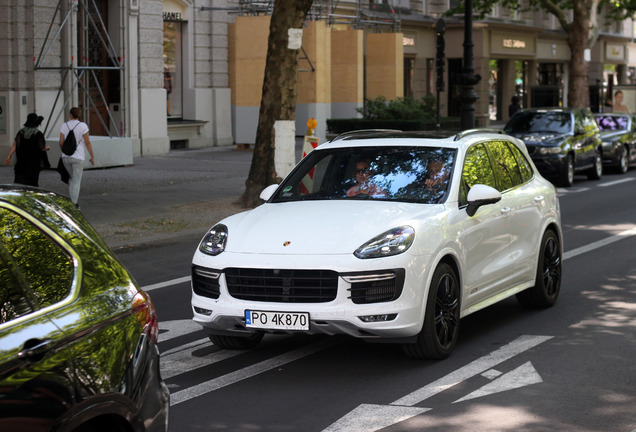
30, 149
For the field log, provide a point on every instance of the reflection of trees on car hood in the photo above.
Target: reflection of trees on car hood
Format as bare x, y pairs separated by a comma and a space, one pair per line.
540, 138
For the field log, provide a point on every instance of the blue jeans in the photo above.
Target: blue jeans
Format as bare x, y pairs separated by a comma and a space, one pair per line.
75, 168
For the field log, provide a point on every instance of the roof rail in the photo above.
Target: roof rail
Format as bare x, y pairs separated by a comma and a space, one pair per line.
362, 132
478, 130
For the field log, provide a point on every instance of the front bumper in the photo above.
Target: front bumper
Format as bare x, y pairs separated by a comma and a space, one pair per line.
400, 317
550, 165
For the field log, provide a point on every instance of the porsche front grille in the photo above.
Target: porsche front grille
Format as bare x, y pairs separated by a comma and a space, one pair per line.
285, 286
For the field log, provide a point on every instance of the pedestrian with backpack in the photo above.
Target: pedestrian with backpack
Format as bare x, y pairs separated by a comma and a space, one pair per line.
74, 153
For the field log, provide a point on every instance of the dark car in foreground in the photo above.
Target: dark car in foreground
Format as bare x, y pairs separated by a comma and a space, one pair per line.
77, 336
618, 133
560, 141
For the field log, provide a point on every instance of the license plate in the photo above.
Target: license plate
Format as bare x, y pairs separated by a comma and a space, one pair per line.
277, 320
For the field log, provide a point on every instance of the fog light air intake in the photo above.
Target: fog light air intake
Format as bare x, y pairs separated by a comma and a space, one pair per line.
377, 318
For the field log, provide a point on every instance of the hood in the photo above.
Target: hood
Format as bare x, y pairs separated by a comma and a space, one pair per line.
319, 227
540, 138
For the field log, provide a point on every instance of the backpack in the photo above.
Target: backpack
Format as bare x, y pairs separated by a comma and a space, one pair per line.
70, 144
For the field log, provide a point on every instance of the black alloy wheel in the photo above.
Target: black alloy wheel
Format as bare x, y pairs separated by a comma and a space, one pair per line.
441, 321
548, 280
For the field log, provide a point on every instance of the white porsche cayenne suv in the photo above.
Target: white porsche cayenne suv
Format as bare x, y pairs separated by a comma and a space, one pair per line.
384, 236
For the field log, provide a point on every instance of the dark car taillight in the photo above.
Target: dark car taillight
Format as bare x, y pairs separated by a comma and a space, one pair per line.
144, 311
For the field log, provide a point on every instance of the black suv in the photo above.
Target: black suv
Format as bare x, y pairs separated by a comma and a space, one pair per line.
560, 141
78, 338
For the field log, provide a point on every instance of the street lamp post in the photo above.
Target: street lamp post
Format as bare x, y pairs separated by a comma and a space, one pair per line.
469, 78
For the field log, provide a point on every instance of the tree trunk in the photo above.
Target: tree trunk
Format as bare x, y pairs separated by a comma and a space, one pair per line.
578, 40
278, 97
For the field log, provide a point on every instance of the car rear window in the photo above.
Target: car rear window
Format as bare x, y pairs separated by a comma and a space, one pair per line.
611, 123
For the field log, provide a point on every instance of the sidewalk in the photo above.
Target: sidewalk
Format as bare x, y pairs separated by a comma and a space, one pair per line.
159, 196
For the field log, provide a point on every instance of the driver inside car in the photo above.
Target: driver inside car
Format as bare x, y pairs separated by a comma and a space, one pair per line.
364, 185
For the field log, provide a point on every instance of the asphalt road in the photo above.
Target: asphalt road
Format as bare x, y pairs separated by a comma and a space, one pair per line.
568, 368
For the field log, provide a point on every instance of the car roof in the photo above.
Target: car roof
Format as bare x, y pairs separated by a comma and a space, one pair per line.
613, 114
449, 139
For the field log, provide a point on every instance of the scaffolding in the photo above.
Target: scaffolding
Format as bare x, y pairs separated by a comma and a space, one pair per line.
381, 17
96, 59
77, 28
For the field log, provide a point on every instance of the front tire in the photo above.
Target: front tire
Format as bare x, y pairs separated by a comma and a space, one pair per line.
236, 342
596, 172
623, 162
567, 174
547, 285
440, 330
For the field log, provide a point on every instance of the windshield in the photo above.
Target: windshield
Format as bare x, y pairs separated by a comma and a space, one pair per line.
543, 122
411, 174
611, 123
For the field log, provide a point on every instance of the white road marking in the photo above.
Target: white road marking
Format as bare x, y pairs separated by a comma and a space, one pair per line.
178, 362
476, 367
166, 283
563, 191
523, 376
194, 344
599, 244
615, 182
176, 328
369, 418
248, 372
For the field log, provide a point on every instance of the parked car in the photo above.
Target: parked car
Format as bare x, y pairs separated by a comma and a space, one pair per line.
618, 133
78, 338
384, 237
560, 141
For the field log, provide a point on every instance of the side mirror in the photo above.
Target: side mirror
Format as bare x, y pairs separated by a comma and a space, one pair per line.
268, 192
480, 195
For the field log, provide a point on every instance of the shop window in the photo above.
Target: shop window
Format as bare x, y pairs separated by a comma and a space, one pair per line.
172, 68
550, 74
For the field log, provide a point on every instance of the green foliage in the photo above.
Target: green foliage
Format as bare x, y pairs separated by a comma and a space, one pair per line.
616, 10
403, 108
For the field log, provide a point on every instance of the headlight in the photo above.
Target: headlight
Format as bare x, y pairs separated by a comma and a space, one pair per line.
392, 242
549, 150
214, 241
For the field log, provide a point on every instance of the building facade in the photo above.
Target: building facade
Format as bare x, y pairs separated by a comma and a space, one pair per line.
156, 75
149, 75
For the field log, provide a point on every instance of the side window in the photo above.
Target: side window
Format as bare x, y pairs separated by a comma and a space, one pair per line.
505, 166
578, 121
45, 267
13, 300
312, 181
525, 169
477, 170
